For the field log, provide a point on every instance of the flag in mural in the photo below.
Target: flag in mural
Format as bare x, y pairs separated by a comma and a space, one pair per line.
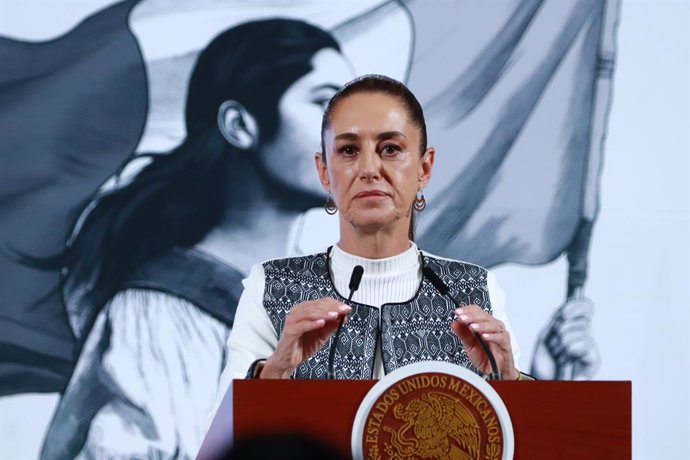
111, 139
72, 111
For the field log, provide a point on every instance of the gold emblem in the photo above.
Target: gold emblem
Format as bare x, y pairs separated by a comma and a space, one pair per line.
432, 416
442, 428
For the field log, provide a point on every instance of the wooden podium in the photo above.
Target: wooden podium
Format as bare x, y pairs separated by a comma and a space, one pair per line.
551, 419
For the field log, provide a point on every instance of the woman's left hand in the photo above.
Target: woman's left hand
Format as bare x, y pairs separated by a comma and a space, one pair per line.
471, 320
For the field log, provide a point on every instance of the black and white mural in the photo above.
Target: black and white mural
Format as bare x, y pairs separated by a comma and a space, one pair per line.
151, 151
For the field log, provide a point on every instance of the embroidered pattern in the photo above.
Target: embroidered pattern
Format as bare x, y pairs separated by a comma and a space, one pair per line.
420, 330
414, 331
299, 279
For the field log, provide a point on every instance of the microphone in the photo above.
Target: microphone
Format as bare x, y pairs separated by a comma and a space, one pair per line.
355, 279
445, 291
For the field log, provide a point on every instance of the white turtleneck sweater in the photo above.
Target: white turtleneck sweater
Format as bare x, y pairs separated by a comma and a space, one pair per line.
389, 280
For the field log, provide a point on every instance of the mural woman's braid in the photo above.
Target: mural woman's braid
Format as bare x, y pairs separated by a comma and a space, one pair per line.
180, 196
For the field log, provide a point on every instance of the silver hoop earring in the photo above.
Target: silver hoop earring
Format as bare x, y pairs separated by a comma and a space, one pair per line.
419, 202
329, 205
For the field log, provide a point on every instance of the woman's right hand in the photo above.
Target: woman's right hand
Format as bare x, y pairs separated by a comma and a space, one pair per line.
307, 328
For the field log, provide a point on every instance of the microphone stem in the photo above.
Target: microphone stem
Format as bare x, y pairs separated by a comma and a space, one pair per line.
331, 353
495, 374
443, 289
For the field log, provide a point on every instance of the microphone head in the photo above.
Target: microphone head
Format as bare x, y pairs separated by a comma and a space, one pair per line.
436, 280
356, 277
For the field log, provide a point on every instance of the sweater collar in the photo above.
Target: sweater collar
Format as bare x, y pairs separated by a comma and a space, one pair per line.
407, 260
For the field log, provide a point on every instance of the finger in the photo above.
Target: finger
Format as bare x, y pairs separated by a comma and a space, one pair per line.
311, 312
500, 338
339, 308
500, 347
552, 333
553, 342
575, 329
584, 365
574, 308
315, 311
323, 305
576, 321
584, 349
468, 315
328, 329
463, 332
298, 328
329, 302
584, 371
480, 321
577, 307
472, 309
493, 326
580, 349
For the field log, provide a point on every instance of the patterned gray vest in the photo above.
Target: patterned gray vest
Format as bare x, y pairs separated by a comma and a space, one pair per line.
412, 331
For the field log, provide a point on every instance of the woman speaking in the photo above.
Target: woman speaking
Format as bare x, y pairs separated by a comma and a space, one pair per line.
374, 165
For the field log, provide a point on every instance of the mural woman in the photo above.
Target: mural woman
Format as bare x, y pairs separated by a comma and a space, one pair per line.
151, 273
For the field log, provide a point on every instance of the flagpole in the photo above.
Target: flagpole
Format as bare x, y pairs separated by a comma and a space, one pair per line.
578, 250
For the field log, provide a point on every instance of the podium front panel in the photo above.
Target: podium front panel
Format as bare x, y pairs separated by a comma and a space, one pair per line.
551, 419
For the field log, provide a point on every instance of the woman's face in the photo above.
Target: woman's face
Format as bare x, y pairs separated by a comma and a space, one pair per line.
288, 158
374, 167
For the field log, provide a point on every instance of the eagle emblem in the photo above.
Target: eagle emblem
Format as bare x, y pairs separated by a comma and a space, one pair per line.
432, 410
435, 425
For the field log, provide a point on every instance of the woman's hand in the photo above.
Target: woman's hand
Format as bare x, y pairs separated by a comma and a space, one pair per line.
472, 320
307, 328
566, 349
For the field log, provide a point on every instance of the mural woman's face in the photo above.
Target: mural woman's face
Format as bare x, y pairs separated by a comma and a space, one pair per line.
289, 157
